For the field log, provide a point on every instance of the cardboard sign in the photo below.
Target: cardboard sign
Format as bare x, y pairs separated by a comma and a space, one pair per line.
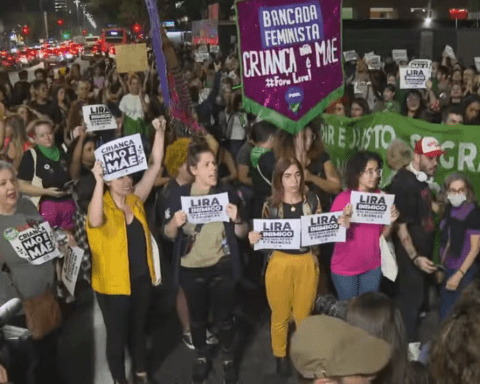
214, 48
374, 62
477, 63
400, 55
71, 268
131, 58
360, 87
36, 245
98, 118
371, 208
321, 229
201, 57
122, 157
411, 78
449, 52
278, 234
350, 56
206, 209
421, 64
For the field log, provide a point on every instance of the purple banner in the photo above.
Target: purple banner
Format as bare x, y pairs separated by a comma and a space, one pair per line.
291, 58
157, 48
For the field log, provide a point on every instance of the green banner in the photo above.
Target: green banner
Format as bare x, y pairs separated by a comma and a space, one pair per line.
343, 137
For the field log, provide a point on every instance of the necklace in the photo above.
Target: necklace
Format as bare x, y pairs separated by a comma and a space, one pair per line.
292, 208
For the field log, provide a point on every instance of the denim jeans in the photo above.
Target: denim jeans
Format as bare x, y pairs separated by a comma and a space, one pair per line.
351, 286
448, 298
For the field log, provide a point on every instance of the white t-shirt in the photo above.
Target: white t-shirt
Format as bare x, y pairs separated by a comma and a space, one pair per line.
132, 106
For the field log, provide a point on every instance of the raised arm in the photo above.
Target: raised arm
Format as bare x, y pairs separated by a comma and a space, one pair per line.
95, 210
145, 185
76, 164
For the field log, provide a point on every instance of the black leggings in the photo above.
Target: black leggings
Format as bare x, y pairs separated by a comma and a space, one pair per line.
210, 290
125, 319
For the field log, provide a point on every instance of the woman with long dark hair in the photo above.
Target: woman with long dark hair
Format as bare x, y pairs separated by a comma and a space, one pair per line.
207, 262
291, 278
356, 263
414, 106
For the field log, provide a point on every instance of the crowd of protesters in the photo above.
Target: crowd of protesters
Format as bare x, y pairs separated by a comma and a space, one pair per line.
48, 164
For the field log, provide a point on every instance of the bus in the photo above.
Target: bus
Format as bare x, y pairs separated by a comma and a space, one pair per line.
111, 37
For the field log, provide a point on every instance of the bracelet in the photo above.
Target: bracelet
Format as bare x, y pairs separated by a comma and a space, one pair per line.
415, 258
459, 270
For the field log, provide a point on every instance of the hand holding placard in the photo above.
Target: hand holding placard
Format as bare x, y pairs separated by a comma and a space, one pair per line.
372, 208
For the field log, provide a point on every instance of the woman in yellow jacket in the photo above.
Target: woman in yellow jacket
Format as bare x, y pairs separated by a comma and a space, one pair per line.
122, 261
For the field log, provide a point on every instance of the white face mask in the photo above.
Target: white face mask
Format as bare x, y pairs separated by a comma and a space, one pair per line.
457, 200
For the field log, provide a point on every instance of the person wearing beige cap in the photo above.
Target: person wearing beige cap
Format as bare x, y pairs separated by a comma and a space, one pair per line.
328, 350
412, 187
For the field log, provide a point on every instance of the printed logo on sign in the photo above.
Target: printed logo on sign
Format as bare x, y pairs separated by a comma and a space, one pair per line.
290, 24
415, 75
10, 234
294, 98
205, 205
372, 203
276, 229
323, 224
100, 115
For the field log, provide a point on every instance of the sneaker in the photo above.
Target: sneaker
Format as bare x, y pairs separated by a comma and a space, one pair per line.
229, 373
187, 339
211, 338
200, 371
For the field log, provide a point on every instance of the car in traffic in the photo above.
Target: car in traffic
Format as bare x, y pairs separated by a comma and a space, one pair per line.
90, 48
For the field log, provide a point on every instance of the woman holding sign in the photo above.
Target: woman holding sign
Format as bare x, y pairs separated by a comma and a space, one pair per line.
27, 255
207, 259
291, 278
356, 263
123, 263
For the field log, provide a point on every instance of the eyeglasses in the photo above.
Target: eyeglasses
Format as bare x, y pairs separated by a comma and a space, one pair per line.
460, 191
371, 172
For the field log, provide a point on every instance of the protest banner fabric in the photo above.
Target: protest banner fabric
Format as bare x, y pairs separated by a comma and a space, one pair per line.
205, 32
343, 137
122, 157
321, 229
206, 209
278, 233
291, 59
371, 208
413, 78
37, 245
71, 268
131, 58
98, 118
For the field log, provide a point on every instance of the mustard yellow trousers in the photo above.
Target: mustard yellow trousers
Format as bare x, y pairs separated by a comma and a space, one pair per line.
291, 282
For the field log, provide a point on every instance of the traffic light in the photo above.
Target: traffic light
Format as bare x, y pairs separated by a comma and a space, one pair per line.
84, 32
60, 22
25, 30
136, 28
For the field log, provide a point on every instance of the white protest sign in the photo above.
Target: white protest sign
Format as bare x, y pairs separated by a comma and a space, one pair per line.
368, 55
477, 63
201, 57
360, 87
214, 48
71, 268
411, 78
350, 56
321, 229
37, 245
374, 62
278, 233
98, 117
371, 208
449, 52
420, 64
400, 55
122, 157
206, 209
202, 49
389, 264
